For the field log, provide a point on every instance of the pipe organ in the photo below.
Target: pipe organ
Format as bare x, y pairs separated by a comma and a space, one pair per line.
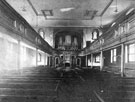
68, 45
68, 42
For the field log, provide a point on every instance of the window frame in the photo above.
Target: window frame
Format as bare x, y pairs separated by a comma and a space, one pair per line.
113, 55
39, 57
97, 58
43, 33
127, 53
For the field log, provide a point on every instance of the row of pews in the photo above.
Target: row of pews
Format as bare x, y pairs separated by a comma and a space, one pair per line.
29, 85
44, 84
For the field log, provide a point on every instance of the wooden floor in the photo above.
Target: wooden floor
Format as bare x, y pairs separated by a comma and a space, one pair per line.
43, 84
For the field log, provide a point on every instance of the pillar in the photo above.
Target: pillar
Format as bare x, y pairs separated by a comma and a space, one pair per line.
18, 55
101, 61
122, 59
36, 57
86, 60
49, 59
44, 59
91, 60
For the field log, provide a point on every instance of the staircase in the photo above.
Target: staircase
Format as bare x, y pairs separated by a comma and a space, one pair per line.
29, 85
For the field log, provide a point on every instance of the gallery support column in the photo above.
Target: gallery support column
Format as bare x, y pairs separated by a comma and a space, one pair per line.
86, 60
44, 59
49, 61
91, 60
36, 57
18, 56
122, 59
101, 61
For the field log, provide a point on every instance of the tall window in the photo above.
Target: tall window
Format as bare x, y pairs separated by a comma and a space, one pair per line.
97, 59
116, 33
15, 24
113, 55
21, 28
95, 34
39, 57
130, 53
128, 26
25, 31
41, 33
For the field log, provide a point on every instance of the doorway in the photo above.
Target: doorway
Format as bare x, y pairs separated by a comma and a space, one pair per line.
78, 62
56, 61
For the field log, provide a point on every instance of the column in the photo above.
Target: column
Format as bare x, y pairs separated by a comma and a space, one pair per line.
91, 60
49, 64
101, 61
86, 60
44, 59
122, 59
36, 57
18, 55
50, 59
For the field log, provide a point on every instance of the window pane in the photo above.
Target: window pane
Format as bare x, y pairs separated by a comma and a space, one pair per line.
131, 48
97, 58
114, 58
42, 34
126, 54
128, 26
111, 56
94, 35
39, 57
132, 57
114, 52
15, 25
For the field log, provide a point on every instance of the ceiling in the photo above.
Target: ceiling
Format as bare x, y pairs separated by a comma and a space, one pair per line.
70, 13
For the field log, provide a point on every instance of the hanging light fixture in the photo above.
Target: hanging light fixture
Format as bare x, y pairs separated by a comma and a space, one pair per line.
116, 9
24, 8
36, 21
101, 25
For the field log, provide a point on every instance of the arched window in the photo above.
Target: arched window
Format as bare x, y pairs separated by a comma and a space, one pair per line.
60, 41
95, 34
39, 57
68, 39
41, 33
75, 41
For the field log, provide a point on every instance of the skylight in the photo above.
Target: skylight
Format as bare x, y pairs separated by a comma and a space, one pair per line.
66, 9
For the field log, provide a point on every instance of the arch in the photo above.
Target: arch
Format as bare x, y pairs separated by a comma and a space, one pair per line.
56, 61
78, 61
41, 33
95, 34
